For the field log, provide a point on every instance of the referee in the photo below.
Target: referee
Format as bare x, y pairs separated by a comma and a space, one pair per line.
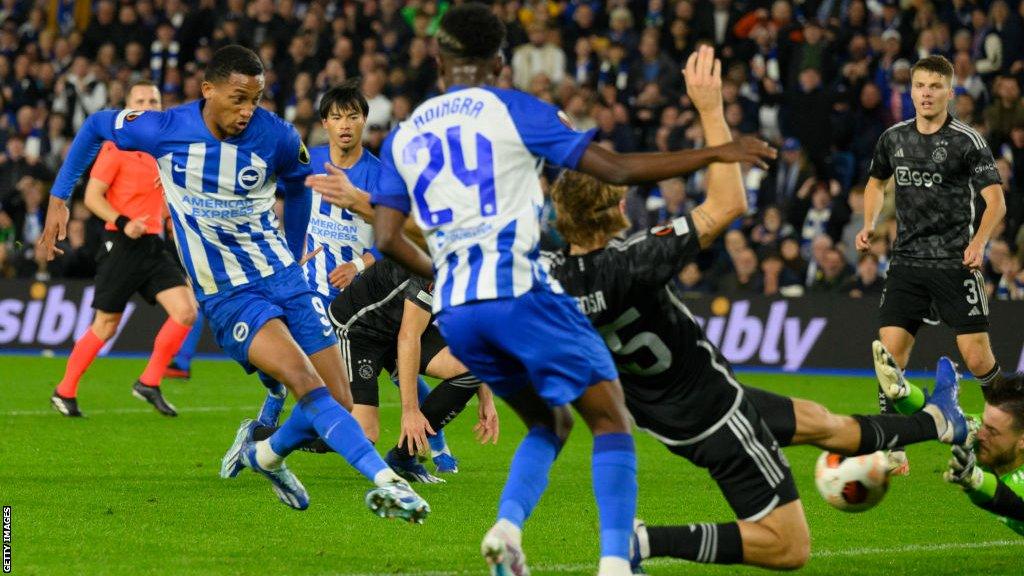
948, 201
124, 190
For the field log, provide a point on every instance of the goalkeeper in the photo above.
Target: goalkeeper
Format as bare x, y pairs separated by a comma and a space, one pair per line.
991, 471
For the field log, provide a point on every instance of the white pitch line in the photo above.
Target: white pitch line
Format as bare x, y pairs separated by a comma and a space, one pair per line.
835, 553
183, 410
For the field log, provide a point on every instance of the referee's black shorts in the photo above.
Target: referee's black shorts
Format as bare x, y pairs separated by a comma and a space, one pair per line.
366, 353
125, 266
915, 293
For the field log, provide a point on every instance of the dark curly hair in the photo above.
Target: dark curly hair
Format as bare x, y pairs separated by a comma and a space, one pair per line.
1007, 394
471, 31
230, 59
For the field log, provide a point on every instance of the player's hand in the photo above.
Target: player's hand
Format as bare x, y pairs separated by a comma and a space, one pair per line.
415, 429
310, 255
974, 255
963, 468
747, 149
55, 229
335, 186
703, 73
136, 228
863, 240
343, 275
486, 428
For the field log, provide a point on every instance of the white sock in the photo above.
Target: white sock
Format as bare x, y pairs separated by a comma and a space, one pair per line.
941, 424
644, 540
266, 457
386, 476
506, 526
613, 566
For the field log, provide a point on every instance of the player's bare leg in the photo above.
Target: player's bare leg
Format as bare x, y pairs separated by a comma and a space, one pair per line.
976, 350
369, 420
781, 540
329, 367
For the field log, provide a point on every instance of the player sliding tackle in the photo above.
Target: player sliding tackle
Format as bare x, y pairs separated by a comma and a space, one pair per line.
465, 165
678, 386
220, 160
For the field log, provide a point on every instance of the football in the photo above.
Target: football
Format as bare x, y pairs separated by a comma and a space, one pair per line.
852, 483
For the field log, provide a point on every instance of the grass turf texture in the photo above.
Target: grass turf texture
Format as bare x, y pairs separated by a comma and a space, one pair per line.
127, 491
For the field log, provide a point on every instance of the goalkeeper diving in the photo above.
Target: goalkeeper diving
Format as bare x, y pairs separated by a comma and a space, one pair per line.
991, 468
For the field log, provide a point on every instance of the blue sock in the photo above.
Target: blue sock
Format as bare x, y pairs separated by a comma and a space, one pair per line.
528, 475
341, 432
615, 488
295, 432
188, 348
270, 412
437, 442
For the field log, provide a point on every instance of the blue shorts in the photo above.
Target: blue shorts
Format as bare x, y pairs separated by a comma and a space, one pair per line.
539, 339
236, 316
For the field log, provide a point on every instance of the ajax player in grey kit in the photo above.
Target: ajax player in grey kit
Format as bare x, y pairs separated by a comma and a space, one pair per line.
948, 201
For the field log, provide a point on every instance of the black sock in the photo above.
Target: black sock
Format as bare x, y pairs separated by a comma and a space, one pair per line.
263, 432
706, 543
887, 431
987, 378
444, 403
885, 406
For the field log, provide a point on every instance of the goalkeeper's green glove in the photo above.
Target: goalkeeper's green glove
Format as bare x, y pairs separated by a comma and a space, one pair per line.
963, 469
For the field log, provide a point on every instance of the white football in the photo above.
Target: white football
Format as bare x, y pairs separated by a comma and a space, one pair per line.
852, 483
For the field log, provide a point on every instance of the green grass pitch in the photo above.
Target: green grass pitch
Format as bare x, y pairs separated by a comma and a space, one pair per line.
126, 491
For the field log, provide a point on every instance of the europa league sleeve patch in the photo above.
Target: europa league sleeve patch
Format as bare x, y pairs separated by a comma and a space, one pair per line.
303, 153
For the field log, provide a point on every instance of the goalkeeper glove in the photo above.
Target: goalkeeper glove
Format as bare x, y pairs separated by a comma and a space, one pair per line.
963, 469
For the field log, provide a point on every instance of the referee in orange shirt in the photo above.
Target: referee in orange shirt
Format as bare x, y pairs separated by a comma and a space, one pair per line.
124, 190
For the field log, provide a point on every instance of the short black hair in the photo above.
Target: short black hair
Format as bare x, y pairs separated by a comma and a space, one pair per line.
344, 96
230, 59
471, 31
1007, 394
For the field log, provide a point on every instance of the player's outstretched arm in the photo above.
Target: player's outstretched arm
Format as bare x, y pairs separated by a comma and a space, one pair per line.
650, 167
415, 426
726, 199
874, 197
388, 224
985, 489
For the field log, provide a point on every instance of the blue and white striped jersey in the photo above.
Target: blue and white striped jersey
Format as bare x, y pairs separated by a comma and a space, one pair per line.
343, 234
220, 194
466, 164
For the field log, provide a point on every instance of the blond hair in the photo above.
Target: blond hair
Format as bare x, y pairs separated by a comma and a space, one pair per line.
586, 209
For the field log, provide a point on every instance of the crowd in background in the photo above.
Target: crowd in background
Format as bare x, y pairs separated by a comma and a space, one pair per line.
821, 79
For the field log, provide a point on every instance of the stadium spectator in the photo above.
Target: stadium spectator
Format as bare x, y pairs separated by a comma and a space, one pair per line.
867, 281
785, 177
690, 282
542, 55
1011, 282
832, 273
745, 280
776, 279
1005, 112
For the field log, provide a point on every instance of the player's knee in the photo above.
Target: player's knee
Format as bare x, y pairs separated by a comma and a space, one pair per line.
300, 381
790, 549
105, 326
814, 421
562, 422
185, 316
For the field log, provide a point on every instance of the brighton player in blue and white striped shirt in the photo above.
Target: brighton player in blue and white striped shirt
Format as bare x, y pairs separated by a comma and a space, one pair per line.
220, 161
341, 227
464, 164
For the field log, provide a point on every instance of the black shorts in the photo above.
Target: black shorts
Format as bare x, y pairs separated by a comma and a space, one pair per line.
776, 411
366, 355
746, 462
125, 267
957, 295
